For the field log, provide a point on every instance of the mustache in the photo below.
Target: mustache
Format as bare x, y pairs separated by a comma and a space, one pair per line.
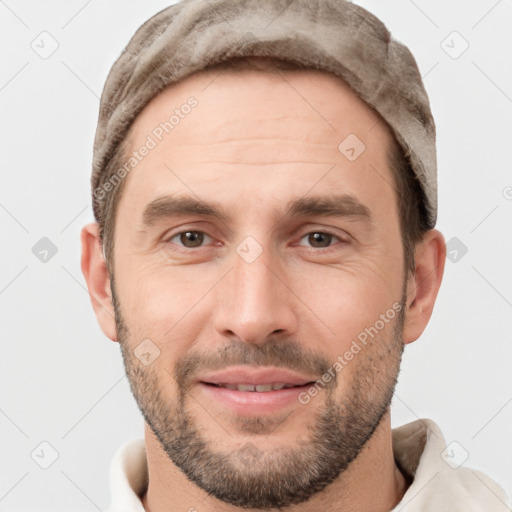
279, 353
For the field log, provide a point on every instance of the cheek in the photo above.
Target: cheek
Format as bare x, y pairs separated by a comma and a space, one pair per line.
166, 306
157, 293
339, 304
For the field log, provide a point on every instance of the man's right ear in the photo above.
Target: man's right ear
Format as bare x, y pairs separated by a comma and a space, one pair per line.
94, 269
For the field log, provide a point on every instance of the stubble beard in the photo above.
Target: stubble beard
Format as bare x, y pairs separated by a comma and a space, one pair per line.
250, 477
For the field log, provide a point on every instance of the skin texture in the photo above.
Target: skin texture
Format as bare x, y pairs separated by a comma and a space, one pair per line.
254, 142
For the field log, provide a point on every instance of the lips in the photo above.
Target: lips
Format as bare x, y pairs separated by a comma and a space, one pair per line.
260, 388
256, 379
253, 391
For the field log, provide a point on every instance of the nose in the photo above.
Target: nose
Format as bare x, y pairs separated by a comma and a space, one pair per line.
256, 301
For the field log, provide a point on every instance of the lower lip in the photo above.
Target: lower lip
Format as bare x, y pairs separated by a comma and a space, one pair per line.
254, 403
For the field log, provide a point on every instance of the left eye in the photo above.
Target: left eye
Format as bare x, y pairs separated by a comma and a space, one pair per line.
320, 239
190, 239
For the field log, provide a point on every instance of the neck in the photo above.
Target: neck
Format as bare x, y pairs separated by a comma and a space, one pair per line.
372, 482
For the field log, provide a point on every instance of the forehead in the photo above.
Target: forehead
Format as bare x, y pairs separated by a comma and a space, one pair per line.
276, 131
318, 102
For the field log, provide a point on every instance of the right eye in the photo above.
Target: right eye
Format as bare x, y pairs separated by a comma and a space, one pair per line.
188, 239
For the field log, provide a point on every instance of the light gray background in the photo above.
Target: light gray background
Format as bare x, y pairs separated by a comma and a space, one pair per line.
62, 380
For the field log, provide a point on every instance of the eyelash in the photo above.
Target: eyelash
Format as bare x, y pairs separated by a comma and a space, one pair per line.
317, 249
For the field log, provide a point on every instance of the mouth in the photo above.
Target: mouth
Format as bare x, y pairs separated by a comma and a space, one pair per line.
255, 391
259, 388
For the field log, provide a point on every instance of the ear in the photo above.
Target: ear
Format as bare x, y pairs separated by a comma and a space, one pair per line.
94, 269
422, 287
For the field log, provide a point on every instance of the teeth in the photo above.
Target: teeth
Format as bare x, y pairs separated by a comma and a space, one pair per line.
259, 388
245, 387
264, 387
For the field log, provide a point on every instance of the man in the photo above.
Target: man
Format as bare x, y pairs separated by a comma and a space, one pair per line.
264, 186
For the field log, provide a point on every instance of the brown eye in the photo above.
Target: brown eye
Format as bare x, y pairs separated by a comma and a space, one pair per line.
189, 239
319, 239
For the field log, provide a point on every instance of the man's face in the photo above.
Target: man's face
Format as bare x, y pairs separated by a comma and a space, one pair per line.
267, 294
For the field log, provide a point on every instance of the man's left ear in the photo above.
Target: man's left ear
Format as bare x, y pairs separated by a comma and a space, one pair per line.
422, 287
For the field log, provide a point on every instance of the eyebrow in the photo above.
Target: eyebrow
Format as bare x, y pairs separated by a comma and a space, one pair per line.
344, 205
331, 206
173, 206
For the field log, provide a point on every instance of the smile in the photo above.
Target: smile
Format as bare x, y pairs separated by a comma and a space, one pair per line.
254, 391
260, 388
